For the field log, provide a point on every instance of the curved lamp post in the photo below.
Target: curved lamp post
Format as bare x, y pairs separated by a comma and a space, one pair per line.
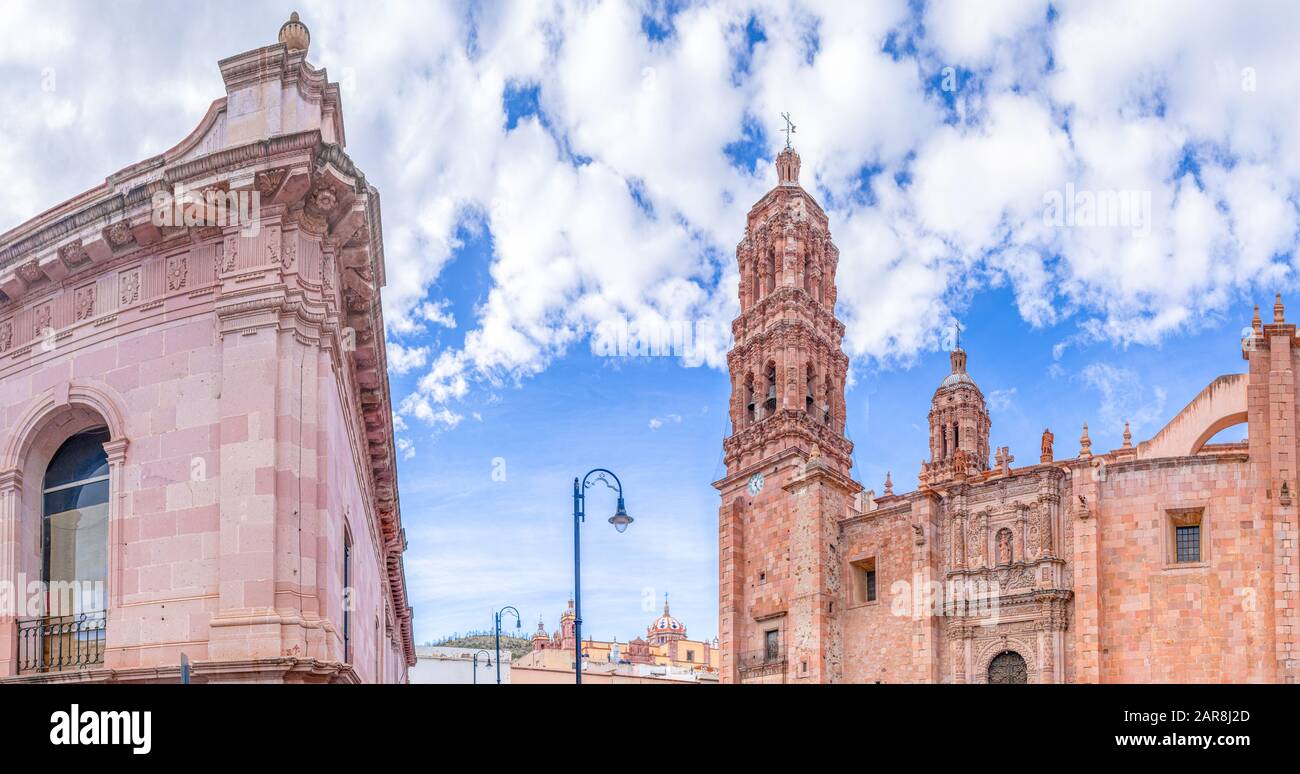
620, 520
497, 617
489, 663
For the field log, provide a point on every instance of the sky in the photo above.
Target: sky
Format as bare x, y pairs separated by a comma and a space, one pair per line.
553, 170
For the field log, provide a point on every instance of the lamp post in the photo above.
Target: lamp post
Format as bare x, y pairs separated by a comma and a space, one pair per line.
489, 663
497, 617
620, 520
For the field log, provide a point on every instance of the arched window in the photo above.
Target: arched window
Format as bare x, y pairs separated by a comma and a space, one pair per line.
826, 399
749, 399
74, 525
769, 405
771, 270
810, 400
1008, 668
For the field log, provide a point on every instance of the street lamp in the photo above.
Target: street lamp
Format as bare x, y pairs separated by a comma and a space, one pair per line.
489, 663
620, 520
497, 617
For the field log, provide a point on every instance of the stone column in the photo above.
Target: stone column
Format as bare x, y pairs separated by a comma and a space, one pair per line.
926, 654
11, 483
246, 624
731, 587
1087, 593
116, 451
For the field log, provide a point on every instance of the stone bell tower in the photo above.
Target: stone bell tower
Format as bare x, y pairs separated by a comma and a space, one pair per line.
959, 427
787, 457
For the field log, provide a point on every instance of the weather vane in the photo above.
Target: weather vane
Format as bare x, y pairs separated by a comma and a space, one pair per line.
789, 129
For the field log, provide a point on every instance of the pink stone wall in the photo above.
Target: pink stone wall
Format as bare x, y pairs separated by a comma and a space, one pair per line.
1207, 622
240, 473
879, 643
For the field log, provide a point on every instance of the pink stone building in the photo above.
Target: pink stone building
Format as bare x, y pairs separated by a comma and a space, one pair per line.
195, 422
1170, 560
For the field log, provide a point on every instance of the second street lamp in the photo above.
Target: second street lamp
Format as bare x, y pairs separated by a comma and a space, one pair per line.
489, 663
620, 520
497, 628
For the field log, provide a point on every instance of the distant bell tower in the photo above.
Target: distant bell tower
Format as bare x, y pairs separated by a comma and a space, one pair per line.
788, 460
959, 427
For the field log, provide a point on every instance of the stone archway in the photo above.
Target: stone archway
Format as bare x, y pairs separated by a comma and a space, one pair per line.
1008, 668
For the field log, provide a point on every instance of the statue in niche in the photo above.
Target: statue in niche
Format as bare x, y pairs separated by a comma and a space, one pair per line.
1004, 546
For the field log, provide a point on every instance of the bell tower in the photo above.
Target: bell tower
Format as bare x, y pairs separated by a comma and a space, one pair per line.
959, 427
787, 367
788, 460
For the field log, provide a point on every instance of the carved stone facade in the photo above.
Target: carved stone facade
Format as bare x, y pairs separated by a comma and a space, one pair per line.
1066, 570
247, 400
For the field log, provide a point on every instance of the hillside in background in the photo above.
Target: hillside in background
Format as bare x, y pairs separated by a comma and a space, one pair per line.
517, 646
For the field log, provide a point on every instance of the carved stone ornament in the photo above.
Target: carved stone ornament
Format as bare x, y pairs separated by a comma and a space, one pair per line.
178, 270
85, 303
119, 234
268, 181
129, 287
73, 255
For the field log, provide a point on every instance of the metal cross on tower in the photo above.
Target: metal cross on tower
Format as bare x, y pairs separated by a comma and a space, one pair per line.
789, 129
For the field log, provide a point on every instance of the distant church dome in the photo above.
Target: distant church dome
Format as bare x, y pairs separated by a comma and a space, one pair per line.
666, 624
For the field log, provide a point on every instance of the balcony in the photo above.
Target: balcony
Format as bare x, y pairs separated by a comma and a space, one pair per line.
766, 659
59, 643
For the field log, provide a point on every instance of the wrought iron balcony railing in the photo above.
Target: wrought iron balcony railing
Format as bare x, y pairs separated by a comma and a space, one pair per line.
757, 659
57, 643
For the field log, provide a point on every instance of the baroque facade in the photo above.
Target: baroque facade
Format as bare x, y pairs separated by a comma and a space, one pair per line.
1170, 560
197, 432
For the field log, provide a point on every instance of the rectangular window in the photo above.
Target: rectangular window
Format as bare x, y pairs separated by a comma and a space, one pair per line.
1187, 541
772, 645
690, 656
864, 581
1185, 536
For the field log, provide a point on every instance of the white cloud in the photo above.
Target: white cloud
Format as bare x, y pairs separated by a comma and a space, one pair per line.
403, 359
658, 422
1124, 398
1000, 399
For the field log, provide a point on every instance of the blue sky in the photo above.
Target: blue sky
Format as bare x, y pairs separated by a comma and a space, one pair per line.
548, 168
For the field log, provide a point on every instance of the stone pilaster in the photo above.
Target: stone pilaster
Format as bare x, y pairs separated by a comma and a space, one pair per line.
1086, 511
11, 482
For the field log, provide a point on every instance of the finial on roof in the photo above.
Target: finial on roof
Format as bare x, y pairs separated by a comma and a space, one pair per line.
789, 130
1128, 437
1255, 322
1279, 313
294, 34
665, 603
889, 484
1085, 443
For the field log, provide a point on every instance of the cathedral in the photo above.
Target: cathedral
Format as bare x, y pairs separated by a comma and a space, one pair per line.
1169, 560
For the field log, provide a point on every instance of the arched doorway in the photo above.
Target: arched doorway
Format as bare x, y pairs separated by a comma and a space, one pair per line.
1008, 667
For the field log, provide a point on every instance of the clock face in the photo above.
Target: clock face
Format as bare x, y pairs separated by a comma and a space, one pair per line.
756, 483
